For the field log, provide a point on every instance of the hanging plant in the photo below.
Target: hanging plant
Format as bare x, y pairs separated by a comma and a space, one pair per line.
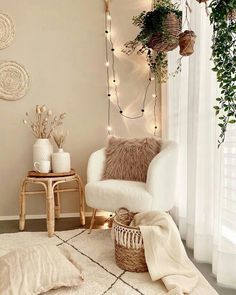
222, 16
160, 29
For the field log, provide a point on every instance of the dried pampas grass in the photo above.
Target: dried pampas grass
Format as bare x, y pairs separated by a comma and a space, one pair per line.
43, 124
59, 138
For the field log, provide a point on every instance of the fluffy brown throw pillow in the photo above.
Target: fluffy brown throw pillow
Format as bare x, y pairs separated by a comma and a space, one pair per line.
128, 159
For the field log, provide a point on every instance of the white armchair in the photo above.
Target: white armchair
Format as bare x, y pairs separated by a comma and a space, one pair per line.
156, 194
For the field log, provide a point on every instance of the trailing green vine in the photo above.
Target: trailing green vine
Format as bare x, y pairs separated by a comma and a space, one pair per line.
159, 33
223, 18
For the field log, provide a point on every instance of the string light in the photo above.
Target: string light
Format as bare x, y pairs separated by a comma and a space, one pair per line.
109, 55
155, 111
107, 68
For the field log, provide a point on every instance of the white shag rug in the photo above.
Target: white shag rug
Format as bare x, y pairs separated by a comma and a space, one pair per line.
95, 254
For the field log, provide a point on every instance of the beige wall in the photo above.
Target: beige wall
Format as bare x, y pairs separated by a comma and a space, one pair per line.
61, 44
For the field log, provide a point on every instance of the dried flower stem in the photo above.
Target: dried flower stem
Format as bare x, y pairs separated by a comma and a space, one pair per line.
59, 138
42, 126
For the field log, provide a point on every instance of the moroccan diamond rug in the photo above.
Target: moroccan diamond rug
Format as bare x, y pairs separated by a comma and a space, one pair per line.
95, 254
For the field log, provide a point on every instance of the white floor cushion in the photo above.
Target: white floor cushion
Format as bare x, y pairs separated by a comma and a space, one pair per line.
37, 269
110, 195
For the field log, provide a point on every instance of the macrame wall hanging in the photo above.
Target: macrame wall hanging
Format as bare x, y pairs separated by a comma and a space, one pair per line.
14, 79
160, 32
7, 30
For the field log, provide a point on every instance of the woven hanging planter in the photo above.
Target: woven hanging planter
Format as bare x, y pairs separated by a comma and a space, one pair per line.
232, 15
129, 249
186, 42
161, 42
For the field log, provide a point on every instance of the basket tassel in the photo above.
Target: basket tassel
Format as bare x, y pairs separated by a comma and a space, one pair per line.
128, 238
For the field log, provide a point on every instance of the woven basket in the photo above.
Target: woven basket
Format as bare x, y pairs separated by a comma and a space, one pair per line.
159, 42
186, 42
232, 15
129, 250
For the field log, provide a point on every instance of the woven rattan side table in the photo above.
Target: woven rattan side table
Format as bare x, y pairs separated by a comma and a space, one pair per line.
51, 188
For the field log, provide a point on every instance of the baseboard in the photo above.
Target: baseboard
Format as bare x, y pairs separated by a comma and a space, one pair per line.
62, 215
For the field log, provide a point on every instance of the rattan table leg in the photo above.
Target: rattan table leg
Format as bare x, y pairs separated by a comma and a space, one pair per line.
22, 206
82, 206
81, 198
50, 209
57, 202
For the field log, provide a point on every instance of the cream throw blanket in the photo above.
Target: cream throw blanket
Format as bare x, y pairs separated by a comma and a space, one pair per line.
166, 257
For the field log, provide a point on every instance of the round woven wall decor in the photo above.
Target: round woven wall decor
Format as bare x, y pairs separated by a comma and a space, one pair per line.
7, 31
14, 80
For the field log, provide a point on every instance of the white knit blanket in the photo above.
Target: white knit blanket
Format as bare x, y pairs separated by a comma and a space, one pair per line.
166, 257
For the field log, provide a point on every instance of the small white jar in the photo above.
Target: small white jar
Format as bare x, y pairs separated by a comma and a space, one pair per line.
61, 162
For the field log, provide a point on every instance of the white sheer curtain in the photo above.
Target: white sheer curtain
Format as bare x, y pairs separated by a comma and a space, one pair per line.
206, 189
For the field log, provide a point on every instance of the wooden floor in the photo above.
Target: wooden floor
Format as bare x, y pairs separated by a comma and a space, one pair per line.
61, 224
35, 225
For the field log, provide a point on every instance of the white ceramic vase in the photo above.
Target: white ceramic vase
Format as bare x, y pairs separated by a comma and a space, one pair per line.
61, 162
42, 150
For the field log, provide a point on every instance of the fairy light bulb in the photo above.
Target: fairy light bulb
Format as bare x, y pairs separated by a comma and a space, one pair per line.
107, 64
108, 34
108, 17
109, 128
152, 78
154, 95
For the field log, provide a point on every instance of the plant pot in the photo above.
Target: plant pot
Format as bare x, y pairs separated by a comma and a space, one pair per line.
232, 15
61, 162
161, 42
186, 42
42, 150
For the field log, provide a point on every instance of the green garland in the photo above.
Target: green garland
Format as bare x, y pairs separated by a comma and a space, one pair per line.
224, 57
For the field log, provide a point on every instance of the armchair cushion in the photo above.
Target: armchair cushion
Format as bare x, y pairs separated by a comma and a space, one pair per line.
128, 159
110, 195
